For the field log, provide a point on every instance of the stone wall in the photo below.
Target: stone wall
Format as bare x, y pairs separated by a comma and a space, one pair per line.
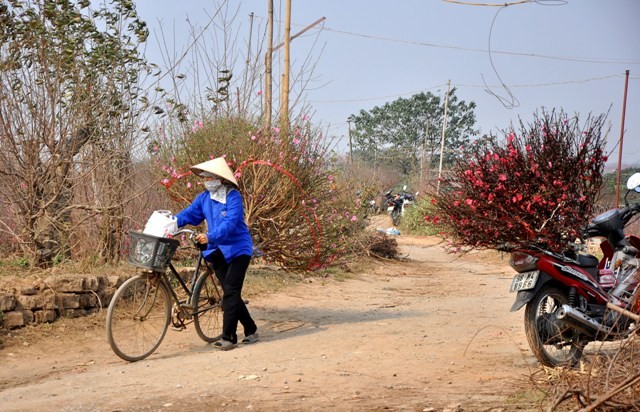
67, 296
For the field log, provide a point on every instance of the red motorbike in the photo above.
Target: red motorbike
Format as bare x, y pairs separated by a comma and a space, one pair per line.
573, 298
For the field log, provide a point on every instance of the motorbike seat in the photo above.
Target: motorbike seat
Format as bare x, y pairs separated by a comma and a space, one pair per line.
587, 261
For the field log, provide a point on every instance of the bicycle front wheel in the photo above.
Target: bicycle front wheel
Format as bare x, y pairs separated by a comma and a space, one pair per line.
207, 305
138, 317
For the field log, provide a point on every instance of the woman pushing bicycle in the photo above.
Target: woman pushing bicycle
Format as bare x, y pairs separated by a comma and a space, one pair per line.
229, 244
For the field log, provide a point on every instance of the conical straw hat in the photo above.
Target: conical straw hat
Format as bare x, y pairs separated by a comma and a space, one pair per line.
218, 167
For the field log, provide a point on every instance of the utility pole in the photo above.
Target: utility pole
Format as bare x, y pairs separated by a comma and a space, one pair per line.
284, 109
444, 128
424, 149
624, 109
268, 67
349, 120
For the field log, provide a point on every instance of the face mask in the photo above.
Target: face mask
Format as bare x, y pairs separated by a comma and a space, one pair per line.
212, 185
217, 190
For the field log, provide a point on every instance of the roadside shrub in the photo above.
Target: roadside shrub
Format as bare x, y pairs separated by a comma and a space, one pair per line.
419, 219
537, 187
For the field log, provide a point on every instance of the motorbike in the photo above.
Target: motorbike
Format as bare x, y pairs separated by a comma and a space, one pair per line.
369, 206
573, 298
396, 203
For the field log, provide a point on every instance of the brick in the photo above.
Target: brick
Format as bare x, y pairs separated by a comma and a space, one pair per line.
13, 319
44, 316
7, 302
88, 300
91, 283
68, 301
65, 283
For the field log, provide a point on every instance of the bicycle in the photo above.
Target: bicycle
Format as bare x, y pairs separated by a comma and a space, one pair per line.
141, 308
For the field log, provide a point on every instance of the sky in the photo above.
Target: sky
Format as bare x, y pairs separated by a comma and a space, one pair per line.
569, 55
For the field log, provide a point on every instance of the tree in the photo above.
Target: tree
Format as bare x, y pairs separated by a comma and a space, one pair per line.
401, 132
68, 91
537, 187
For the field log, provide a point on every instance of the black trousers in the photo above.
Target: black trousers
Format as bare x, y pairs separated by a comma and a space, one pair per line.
231, 276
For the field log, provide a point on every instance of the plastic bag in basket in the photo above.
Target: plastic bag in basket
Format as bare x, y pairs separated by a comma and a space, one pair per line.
161, 224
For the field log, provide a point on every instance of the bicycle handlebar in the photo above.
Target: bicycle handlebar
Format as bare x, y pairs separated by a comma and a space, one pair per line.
191, 233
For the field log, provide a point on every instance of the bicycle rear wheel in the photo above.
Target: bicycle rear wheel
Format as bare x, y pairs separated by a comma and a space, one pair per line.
138, 317
207, 304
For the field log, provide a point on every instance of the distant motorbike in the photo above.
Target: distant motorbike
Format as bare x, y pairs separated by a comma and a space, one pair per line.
573, 298
370, 205
396, 203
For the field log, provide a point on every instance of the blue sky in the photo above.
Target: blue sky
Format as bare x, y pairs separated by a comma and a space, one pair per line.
571, 56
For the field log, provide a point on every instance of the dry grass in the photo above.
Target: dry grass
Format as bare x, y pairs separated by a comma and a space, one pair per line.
606, 381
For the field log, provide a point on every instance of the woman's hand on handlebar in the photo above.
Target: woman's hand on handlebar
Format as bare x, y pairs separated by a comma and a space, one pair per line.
202, 238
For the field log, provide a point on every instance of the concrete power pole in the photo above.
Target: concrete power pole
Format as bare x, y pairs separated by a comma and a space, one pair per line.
444, 128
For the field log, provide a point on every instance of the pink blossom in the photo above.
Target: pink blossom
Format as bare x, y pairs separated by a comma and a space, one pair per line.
330, 177
276, 129
296, 141
354, 218
189, 185
253, 138
165, 181
197, 125
259, 92
502, 177
237, 175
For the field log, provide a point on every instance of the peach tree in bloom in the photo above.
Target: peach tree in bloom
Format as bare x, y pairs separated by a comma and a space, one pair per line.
290, 185
536, 185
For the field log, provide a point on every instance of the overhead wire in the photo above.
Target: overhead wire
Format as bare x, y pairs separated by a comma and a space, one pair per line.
512, 101
597, 60
459, 85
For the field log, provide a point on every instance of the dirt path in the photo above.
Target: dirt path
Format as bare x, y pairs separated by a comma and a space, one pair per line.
428, 334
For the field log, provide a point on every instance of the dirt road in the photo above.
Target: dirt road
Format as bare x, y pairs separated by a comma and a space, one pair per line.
432, 333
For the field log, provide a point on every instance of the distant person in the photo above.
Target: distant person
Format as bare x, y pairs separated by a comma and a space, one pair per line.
229, 244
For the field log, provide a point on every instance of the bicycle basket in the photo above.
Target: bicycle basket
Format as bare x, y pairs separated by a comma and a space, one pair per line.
151, 252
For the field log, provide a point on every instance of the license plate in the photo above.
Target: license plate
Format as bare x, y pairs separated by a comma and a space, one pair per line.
524, 281
390, 208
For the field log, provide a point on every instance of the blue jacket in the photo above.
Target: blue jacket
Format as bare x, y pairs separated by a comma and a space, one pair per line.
226, 228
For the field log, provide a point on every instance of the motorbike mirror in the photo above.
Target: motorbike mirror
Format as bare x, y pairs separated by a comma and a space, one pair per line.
634, 182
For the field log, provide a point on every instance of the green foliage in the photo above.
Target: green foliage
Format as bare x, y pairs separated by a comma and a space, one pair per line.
19, 262
396, 133
414, 222
537, 187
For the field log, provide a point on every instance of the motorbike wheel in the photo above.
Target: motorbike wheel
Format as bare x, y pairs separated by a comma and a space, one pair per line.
551, 342
395, 217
